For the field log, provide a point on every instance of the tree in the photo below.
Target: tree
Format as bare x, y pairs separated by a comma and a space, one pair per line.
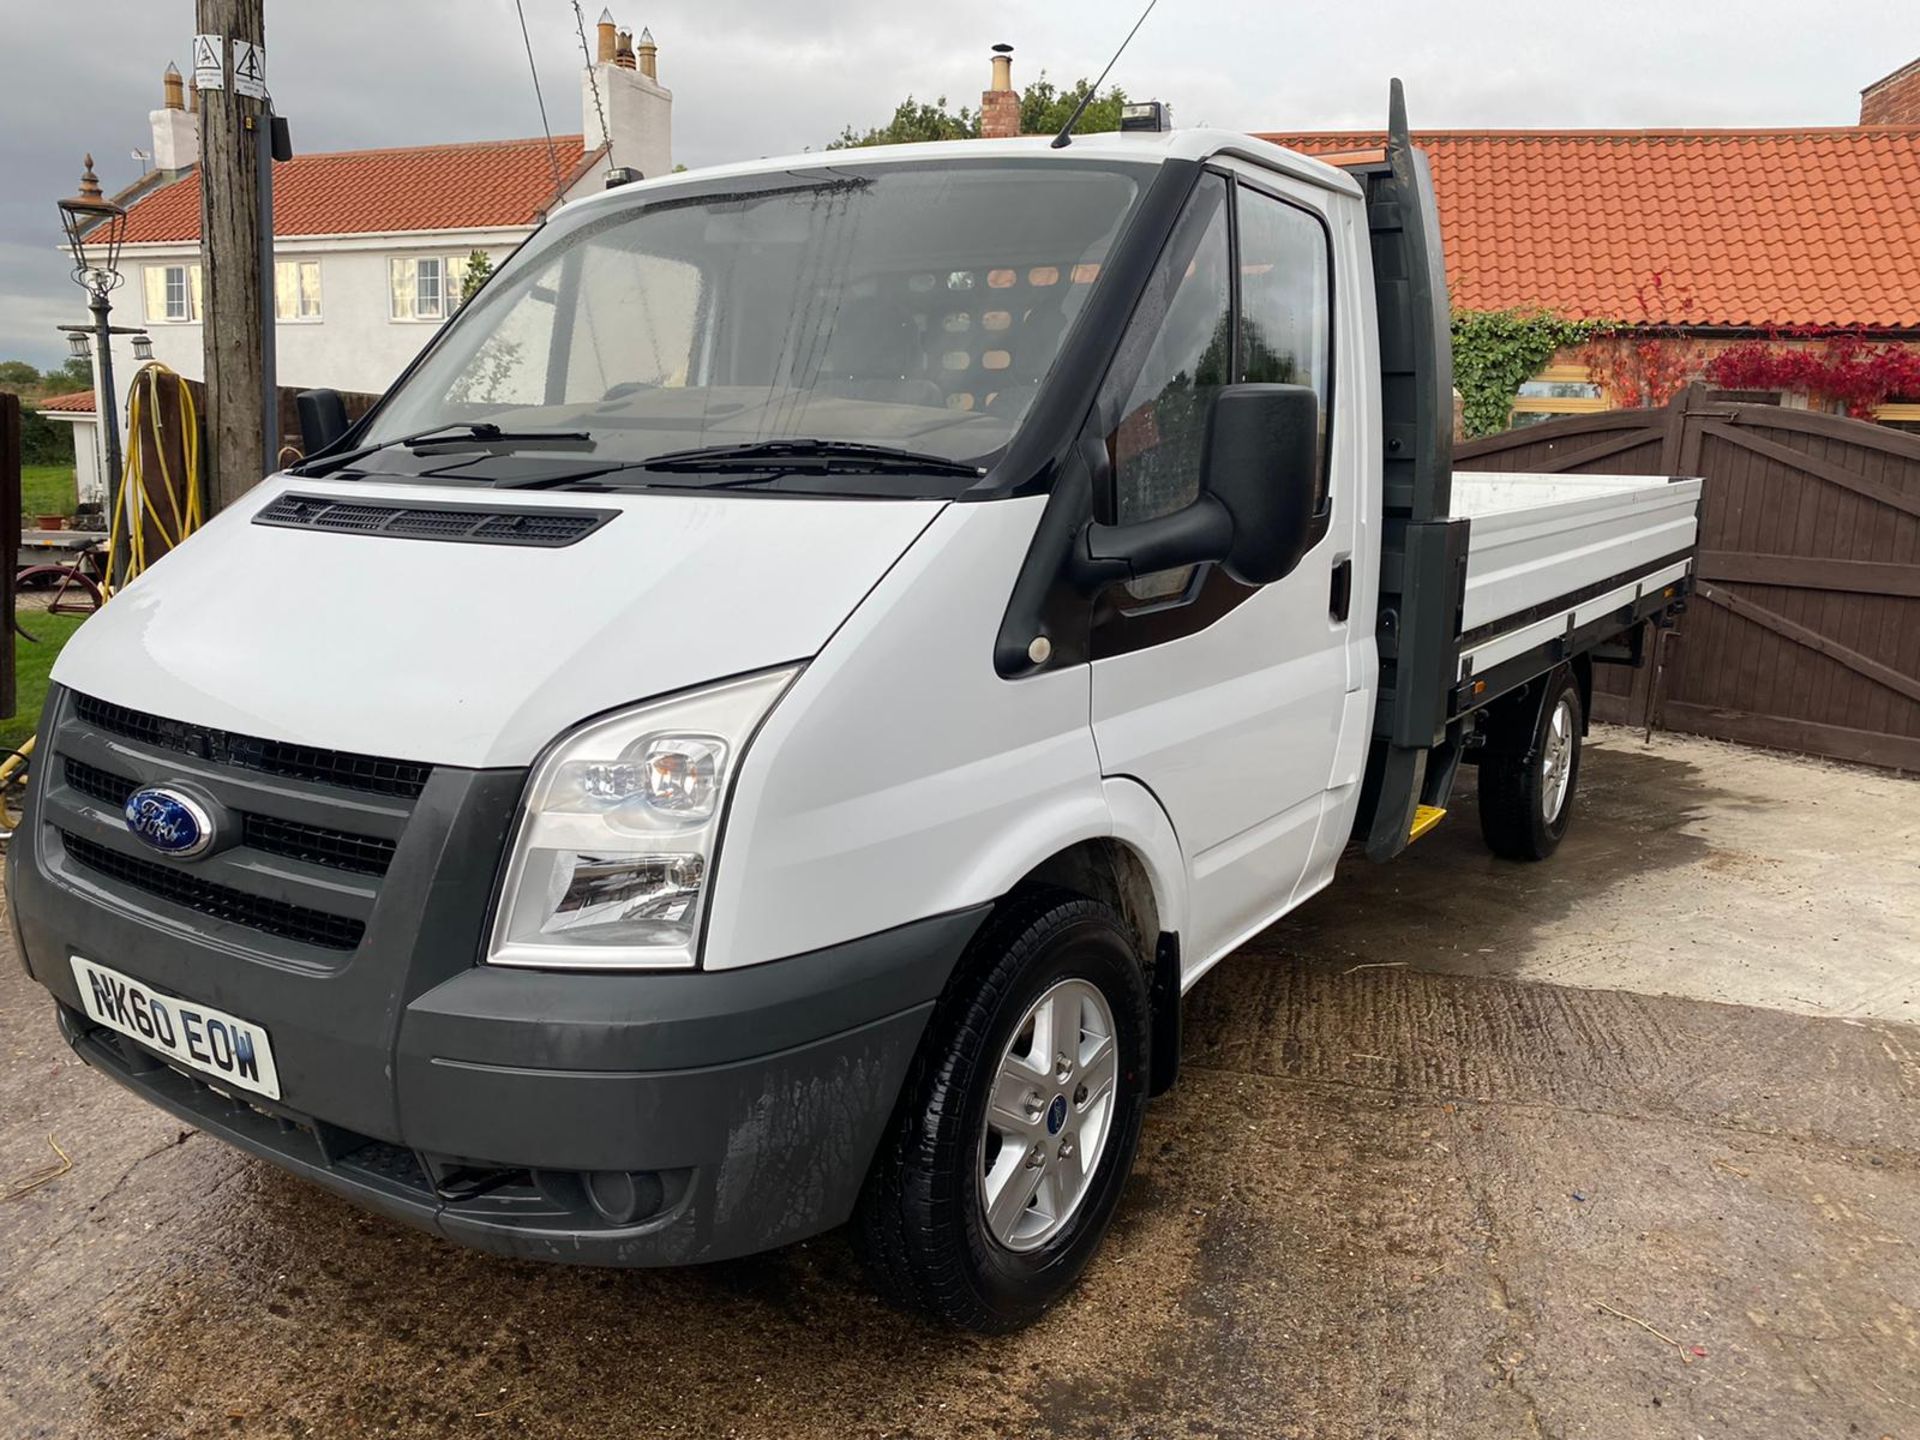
914, 120
1044, 108
18, 375
76, 374
479, 271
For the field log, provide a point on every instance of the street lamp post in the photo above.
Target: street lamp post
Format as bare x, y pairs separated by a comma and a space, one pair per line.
95, 227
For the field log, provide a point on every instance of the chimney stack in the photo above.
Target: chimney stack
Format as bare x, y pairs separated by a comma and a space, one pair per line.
1000, 105
1894, 100
176, 129
632, 111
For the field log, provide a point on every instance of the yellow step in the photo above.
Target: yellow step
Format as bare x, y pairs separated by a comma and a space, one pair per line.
1424, 819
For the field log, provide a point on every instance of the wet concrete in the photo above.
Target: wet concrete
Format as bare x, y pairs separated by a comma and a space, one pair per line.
1402, 1190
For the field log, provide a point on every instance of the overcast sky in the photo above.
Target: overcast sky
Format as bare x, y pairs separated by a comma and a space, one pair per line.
757, 77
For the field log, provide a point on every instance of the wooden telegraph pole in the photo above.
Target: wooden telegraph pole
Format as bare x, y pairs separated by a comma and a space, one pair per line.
230, 35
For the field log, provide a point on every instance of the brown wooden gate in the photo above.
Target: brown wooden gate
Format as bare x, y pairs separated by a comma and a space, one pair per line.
1804, 632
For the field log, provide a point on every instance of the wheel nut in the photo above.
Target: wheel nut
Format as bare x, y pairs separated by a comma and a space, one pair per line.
1066, 1148
1079, 1095
1036, 1156
1062, 1066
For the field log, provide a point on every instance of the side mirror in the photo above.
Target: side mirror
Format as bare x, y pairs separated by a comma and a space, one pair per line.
1255, 513
1263, 443
323, 420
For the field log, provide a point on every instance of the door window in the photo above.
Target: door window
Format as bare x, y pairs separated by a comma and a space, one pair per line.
1186, 325
1285, 300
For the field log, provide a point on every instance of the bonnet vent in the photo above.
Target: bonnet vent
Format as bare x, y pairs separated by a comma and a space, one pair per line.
547, 529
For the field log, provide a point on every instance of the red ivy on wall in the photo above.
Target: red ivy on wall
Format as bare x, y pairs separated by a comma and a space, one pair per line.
1844, 369
1633, 365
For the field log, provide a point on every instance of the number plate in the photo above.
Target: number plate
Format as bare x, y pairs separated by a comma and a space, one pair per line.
232, 1050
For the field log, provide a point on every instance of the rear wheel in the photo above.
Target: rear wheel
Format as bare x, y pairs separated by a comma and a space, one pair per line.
1019, 1120
1529, 771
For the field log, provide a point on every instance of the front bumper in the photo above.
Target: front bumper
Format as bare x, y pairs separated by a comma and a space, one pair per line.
624, 1147
621, 1119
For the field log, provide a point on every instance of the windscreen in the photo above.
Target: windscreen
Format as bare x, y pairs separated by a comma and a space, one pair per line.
909, 305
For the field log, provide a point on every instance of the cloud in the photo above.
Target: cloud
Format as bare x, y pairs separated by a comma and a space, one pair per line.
752, 77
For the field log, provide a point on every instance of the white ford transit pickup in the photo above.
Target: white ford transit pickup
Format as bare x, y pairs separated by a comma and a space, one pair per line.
764, 721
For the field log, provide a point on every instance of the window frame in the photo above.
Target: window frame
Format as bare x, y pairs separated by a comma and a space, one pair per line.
449, 304
1323, 514
1552, 407
190, 292
297, 318
1210, 592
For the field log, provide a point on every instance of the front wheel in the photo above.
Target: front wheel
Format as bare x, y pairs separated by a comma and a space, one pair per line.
1018, 1123
1529, 771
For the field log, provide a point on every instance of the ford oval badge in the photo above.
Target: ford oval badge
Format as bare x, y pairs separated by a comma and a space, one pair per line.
170, 822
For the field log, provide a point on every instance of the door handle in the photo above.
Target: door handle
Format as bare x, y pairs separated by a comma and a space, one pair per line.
1340, 600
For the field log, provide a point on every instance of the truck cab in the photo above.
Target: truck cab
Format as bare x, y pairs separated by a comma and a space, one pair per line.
762, 724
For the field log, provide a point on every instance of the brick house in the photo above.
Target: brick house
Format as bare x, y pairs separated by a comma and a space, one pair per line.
1708, 237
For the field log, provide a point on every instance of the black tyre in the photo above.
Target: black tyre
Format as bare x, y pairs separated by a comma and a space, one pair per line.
999, 1174
1530, 770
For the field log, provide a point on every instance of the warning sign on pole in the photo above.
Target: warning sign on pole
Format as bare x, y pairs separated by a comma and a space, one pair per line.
207, 51
250, 69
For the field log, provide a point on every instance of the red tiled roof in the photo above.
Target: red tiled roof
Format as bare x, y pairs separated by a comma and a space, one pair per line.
80, 401
1747, 228
372, 192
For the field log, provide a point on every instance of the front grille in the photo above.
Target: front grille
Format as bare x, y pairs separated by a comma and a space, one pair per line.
221, 902
316, 844
405, 778
102, 785
546, 529
363, 854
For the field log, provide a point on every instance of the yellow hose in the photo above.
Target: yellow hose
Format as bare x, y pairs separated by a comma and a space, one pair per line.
158, 504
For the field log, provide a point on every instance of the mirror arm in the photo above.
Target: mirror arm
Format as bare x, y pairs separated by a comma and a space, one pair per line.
1113, 554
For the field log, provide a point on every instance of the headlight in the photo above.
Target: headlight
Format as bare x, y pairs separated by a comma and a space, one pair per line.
622, 821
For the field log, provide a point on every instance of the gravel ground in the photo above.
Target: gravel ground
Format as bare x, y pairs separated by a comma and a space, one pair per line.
1461, 1149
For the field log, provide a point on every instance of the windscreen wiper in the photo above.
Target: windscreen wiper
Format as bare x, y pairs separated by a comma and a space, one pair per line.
799, 456
456, 433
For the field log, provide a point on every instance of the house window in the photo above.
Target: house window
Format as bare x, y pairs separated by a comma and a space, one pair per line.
173, 293
1900, 415
417, 285
296, 289
1557, 392
427, 287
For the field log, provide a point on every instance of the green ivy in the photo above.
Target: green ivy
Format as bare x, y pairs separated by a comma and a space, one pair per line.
1495, 352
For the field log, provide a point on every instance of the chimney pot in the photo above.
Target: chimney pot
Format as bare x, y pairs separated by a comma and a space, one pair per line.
608, 45
171, 93
1000, 104
623, 51
648, 55
1002, 68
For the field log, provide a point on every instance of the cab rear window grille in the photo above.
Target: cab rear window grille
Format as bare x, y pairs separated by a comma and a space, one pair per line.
221, 902
273, 757
546, 529
315, 844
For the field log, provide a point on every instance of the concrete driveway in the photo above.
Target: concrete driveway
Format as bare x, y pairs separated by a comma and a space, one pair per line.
1623, 1145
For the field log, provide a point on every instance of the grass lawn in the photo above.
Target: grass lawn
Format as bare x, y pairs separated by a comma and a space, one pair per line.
34, 660
46, 490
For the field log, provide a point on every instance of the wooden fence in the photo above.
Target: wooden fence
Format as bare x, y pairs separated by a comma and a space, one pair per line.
1804, 629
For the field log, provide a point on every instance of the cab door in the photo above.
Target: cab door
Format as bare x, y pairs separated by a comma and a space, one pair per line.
1225, 699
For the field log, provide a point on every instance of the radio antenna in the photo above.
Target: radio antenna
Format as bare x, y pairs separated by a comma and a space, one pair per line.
1065, 137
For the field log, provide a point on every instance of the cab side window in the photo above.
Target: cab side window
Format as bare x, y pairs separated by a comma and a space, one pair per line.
1186, 328
1285, 303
